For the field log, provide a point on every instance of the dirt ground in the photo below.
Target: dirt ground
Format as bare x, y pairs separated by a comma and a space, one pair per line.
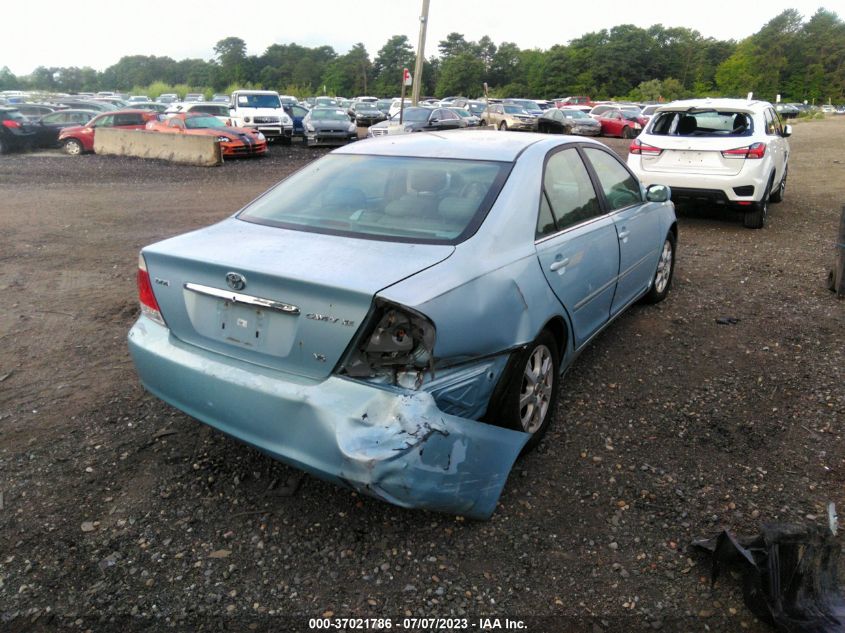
119, 513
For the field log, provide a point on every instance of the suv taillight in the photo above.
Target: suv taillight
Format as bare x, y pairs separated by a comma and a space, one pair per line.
149, 305
11, 124
757, 150
638, 147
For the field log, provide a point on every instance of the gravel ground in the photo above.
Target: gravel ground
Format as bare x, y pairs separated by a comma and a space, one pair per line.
119, 513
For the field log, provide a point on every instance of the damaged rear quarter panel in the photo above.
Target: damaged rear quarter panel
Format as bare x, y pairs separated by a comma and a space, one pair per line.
490, 295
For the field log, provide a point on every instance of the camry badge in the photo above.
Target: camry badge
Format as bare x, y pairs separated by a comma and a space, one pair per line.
235, 281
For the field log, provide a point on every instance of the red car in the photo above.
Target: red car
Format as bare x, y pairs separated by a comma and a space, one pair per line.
622, 123
78, 139
234, 141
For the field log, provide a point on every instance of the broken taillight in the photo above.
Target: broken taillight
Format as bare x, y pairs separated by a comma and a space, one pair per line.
396, 345
757, 150
149, 305
638, 147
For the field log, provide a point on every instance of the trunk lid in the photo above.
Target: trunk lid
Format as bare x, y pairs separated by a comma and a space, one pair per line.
694, 155
305, 294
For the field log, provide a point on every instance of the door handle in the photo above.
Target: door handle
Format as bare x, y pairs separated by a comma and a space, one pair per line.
623, 234
558, 264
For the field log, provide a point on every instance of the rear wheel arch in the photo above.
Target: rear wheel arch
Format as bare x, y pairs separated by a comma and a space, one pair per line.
559, 330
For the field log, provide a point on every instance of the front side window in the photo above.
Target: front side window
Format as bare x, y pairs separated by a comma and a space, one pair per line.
410, 199
567, 192
620, 188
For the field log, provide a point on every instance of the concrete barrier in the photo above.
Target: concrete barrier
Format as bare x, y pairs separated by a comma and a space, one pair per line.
177, 148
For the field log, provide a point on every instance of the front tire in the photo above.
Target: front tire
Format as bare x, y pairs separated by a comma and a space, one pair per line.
503, 127
527, 395
665, 271
627, 132
778, 194
72, 147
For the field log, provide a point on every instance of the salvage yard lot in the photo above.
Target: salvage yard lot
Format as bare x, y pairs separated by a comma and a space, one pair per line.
119, 512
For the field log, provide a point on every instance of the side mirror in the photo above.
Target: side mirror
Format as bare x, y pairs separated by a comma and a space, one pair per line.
658, 193
787, 131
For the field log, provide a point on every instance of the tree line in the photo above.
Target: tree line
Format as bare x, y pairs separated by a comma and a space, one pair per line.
796, 58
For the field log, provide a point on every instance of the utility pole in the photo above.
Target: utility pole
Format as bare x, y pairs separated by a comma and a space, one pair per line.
418, 68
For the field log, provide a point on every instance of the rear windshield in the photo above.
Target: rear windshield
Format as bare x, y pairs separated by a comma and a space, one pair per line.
702, 123
408, 199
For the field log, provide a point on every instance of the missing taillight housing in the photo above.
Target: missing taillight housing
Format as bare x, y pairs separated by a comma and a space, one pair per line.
754, 151
149, 305
396, 346
638, 147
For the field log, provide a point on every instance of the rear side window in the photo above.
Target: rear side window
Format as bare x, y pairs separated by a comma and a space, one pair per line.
702, 123
620, 188
568, 194
130, 118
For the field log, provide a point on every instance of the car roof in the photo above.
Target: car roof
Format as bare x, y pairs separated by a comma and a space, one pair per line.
714, 104
460, 144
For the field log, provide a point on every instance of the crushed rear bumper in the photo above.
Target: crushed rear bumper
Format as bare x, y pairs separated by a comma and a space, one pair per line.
397, 447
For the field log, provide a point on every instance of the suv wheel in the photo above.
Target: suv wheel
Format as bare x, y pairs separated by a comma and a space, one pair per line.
756, 218
503, 126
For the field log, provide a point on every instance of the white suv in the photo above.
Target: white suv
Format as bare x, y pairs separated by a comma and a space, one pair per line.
725, 151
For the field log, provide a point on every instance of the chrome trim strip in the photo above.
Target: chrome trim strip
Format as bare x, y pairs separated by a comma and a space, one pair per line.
593, 294
237, 297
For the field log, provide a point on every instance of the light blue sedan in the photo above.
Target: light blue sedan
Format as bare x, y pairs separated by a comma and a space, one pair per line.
397, 316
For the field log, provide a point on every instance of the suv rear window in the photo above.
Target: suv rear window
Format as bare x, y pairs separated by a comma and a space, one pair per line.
703, 123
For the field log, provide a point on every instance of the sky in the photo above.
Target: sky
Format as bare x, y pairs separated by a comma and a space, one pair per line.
97, 33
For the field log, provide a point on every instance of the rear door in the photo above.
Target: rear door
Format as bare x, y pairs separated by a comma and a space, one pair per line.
576, 243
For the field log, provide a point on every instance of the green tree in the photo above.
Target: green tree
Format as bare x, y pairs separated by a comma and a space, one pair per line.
8, 81
231, 55
461, 74
454, 45
395, 55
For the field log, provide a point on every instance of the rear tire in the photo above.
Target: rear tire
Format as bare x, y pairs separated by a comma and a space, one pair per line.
756, 218
526, 397
2, 146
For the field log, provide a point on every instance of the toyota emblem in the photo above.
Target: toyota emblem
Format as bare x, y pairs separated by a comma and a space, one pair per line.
235, 281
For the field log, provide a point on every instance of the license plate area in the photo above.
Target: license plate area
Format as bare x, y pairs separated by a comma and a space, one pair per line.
242, 324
